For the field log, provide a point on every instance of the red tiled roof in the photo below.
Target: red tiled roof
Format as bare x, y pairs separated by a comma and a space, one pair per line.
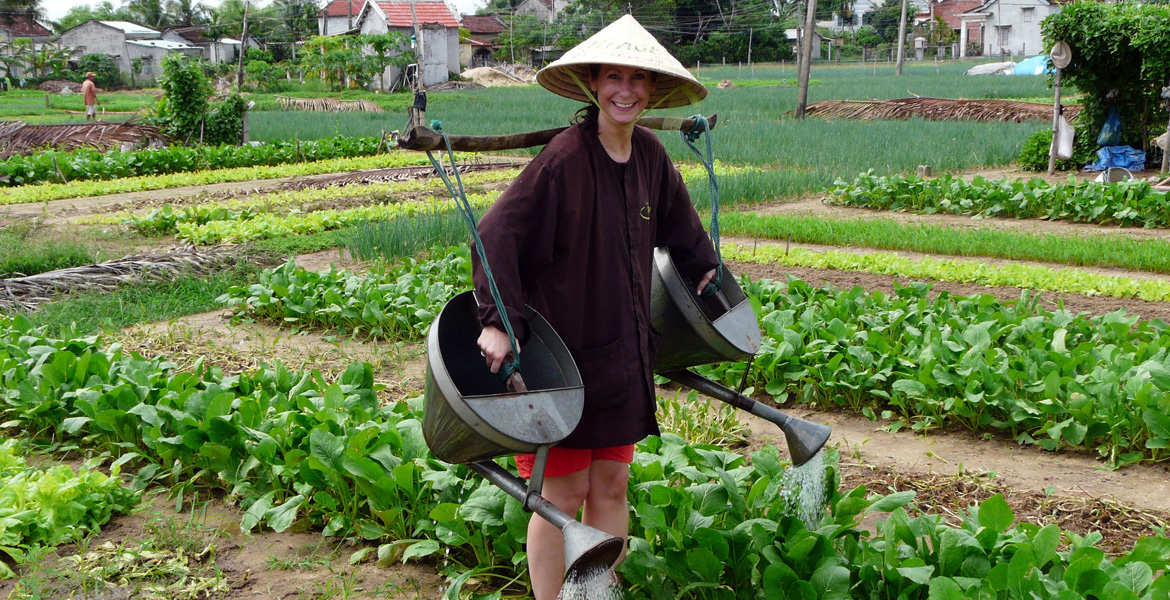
23, 25
340, 8
482, 24
398, 13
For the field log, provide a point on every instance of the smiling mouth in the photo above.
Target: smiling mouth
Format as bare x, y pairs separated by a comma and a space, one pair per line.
624, 106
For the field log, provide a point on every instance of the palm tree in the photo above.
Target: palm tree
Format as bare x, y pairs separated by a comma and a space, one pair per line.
148, 12
11, 10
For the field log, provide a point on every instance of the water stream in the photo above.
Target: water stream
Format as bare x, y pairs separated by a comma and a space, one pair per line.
806, 490
595, 583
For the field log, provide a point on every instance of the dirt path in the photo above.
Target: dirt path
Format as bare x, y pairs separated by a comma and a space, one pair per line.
815, 206
63, 211
1075, 303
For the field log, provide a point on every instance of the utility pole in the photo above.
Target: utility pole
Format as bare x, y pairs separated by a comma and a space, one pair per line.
348, 5
810, 24
240, 73
902, 37
243, 48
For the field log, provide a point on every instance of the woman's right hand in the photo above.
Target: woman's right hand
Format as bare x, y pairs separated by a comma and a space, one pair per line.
494, 346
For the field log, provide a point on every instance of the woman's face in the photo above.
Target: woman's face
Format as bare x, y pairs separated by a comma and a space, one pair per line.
622, 92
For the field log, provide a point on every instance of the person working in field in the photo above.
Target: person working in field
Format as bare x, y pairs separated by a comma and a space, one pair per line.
573, 237
89, 96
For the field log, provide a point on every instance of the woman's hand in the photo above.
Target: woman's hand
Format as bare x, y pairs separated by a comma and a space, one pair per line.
705, 280
494, 346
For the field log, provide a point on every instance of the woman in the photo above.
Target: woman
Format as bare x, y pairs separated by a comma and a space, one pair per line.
573, 237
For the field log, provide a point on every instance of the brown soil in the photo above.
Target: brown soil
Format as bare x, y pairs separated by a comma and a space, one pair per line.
814, 205
846, 280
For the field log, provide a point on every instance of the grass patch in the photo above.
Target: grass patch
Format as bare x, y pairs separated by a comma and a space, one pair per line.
22, 252
85, 313
1095, 251
406, 236
288, 246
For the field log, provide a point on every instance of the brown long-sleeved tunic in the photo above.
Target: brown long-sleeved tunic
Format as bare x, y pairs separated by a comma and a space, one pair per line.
573, 237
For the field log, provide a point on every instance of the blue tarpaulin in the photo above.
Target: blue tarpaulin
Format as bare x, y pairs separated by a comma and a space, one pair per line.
1037, 65
1125, 157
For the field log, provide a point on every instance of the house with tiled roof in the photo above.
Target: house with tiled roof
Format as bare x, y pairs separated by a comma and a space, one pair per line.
339, 16
23, 26
224, 49
436, 44
478, 48
1009, 28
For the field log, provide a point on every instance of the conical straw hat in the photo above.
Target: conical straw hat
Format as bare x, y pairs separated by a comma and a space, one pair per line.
624, 42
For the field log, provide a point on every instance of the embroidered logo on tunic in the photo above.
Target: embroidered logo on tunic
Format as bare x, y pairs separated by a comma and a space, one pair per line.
646, 211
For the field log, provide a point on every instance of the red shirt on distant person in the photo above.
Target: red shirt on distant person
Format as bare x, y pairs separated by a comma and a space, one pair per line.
89, 95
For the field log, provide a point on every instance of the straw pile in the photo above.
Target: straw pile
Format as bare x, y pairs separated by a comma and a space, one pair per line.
26, 293
455, 86
938, 109
328, 105
17, 137
394, 174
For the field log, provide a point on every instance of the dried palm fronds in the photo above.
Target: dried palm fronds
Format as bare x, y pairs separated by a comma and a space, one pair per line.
455, 86
26, 293
938, 109
18, 137
328, 105
395, 174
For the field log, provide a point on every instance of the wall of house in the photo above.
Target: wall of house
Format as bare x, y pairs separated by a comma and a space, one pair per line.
1023, 36
96, 38
536, 8
438, 54
335, 25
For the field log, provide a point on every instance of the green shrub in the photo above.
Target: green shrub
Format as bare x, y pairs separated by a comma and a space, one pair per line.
105, 70
1034, 154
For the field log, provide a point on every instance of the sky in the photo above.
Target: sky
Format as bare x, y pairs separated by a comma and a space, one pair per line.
55, 9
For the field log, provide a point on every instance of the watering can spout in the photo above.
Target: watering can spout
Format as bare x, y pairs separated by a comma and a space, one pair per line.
805, 439
586, 549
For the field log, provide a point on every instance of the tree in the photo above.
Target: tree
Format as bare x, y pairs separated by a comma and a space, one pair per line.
387, 49
11, 10
104, 67
185, 96
103, 11
186, 12
885, 20
149, 12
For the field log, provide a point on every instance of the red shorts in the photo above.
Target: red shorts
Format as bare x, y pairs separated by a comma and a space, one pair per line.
566, 461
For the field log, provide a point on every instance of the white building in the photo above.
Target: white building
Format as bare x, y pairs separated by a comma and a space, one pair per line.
339, 16
437, 48
1011, 27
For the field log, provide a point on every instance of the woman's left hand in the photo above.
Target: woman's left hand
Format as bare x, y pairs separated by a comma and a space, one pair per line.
705, 280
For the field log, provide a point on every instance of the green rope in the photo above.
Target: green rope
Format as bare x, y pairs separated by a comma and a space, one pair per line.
703, 127
469, 217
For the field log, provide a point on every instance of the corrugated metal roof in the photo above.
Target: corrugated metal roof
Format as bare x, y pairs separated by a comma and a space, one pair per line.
398, 13
128, 27
167, 44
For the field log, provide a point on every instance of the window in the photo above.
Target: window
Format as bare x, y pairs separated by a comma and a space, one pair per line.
1005, 36
147, 68
1028, 12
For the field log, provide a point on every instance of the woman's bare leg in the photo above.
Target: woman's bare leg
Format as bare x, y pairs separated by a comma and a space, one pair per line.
546, 545
606, 505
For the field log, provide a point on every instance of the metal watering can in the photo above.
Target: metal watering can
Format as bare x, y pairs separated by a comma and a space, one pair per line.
698, 331
470, 418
